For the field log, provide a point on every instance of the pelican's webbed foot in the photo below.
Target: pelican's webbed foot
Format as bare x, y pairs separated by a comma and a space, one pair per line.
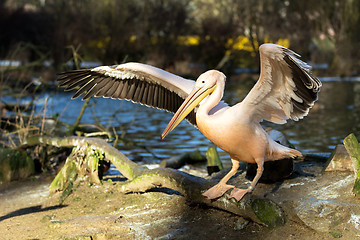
217, 191
238, 193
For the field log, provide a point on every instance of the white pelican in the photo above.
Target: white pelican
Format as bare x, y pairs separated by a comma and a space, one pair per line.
285, 90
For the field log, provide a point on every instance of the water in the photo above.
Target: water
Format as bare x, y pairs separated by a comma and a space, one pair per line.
335, 115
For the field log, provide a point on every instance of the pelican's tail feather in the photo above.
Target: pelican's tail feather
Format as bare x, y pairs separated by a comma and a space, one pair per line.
278, 151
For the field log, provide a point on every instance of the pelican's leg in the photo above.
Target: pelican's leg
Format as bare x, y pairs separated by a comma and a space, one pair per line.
219, 189
238, 194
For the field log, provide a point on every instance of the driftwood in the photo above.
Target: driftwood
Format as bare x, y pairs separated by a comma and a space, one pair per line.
179, 161
141, 179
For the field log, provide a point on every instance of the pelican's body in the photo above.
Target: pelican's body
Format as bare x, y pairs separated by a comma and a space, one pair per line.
219, 128
250, 141
285, 90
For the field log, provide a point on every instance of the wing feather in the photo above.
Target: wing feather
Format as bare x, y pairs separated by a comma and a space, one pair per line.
75, 83
136, 82
112, 90
118, 90
124, 90
84, 88
286, 89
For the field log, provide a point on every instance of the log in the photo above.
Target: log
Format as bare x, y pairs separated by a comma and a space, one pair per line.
141, 179
179, 161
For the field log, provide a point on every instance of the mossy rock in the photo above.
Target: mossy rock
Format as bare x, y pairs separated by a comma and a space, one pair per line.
353, 148
15, 165
268, 212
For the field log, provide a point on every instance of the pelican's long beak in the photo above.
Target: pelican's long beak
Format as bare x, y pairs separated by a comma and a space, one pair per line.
194, 98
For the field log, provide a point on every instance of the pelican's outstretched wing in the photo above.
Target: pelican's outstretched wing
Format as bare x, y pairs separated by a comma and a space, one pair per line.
137, 82
285, 90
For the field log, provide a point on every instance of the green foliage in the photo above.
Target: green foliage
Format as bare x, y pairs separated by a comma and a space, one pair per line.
149, 31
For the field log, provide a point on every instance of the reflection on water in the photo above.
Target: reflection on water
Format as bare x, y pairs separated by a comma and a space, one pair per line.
333, 117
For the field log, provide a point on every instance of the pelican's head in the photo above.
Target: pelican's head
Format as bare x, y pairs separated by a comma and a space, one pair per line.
205, 85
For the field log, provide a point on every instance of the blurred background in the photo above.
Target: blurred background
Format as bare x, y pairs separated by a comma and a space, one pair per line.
180, 34
39, 38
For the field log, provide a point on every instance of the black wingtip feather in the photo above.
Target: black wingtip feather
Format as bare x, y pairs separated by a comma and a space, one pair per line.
307, 85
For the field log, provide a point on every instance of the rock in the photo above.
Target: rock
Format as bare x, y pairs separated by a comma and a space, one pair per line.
15, 165
268, 212
324, 203
339, 160
324, 215
274, 171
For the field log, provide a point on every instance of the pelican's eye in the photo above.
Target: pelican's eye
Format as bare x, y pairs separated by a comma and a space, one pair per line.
203, 81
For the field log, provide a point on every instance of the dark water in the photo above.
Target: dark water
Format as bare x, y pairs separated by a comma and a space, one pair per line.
333, 117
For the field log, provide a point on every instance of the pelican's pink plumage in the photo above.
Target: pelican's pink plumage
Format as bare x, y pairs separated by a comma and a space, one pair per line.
285, 90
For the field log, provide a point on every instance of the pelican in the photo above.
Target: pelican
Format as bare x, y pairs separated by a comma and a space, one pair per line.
285, 90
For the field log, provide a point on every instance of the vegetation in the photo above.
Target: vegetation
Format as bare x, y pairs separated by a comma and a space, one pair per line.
166, 32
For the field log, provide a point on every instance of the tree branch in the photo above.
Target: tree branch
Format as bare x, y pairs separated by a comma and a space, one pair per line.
141, 179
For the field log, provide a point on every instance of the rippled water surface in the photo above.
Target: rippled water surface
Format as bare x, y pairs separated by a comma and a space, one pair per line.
333, 117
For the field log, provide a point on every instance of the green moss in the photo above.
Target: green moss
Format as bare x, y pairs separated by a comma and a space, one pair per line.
15, 164
67, 174
268, 212
94, 160
353, 148
82, 164
336, 234
67, 191
356, 188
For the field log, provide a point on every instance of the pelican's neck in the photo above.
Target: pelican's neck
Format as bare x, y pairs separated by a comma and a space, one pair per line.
212, 100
